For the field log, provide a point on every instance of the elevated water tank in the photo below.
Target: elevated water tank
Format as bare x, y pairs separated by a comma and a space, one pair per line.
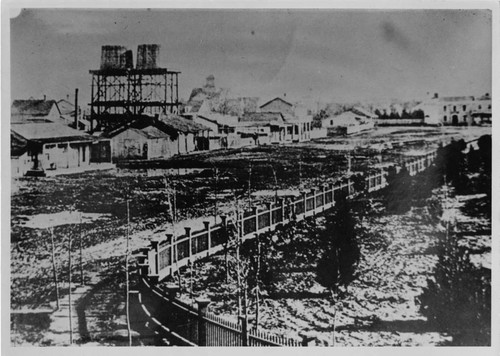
147, 55
127, 60
111, 57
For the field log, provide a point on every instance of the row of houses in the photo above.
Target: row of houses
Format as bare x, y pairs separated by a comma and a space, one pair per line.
49, 135
42, 140
456, 110
437, 111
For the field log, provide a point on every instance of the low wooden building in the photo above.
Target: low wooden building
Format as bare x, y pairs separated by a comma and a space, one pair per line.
296, 118
347, 123
157, 138
52, 146
20, 160
265, 127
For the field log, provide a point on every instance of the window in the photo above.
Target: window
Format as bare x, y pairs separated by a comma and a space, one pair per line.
464, 107
479, 107
489, 106
454, 108
331, 122
465, 118
444, 118
444, 108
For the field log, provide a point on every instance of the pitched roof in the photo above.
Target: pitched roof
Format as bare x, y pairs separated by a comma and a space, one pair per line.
170, 125
65, 107
18, 144
181, 124
220, 119
32, 107
362, 111
49, 132
148, 132
347, 118
154, 132
456, 98
263, 117
277, 98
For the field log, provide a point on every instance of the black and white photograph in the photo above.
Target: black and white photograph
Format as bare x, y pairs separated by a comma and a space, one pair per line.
230, 177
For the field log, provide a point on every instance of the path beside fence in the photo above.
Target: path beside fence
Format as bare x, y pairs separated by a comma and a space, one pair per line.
196, 326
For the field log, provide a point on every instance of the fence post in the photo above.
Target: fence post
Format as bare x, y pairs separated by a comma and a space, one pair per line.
173, 250
244, 330
281, 205
190, 246
255, 213
209, 237
269, 207
304, 200
202, 330
172, 291
323, 194
308, 340
154, 246
313, 191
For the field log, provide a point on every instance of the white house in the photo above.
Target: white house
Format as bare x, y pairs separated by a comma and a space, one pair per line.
347, 123
297, 118
456, 110
53, 146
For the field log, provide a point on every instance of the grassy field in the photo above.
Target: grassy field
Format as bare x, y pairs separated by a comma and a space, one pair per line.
199, 193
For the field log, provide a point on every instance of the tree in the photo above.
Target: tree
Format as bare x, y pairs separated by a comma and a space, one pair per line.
338, 263
399, 191
318, 119
458, 299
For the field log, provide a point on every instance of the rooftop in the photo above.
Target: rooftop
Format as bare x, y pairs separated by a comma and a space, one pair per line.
32, 107
262, 118
48, 132
275, 99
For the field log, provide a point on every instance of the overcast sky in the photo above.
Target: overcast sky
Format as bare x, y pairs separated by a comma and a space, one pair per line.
330, 55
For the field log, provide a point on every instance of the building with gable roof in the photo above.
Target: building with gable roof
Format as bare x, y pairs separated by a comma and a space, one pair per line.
150, 138
456, 110
347, 123
263, 127
299, 122
34, 110
50, 147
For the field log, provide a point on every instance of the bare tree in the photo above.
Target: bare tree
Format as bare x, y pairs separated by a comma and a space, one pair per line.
54, 266
127, 286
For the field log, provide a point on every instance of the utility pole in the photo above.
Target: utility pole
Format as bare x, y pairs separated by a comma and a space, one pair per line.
82, 281
257, 286
127, 277
216, 172
249, 184
300, 171
69, 291
76, 109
